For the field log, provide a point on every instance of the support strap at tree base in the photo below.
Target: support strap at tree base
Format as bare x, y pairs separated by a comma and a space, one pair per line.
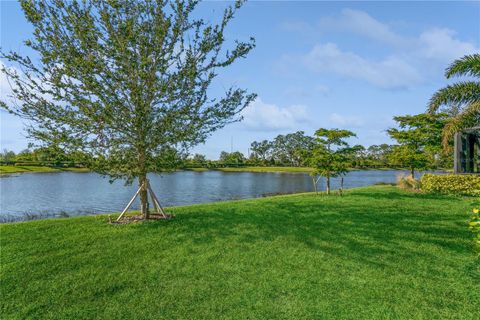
160, 213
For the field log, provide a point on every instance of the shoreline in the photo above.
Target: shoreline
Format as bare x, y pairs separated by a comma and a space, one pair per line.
8, 170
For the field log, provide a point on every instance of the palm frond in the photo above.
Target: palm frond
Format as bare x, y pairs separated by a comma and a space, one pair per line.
449, 131
470, 117
468, 65
462, 93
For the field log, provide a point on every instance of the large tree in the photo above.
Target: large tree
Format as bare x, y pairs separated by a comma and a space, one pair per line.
290, 149
378, 154
261, 150
199, 160
232, 159
331, 154
124, 80
419, 138
7, 156
461, 99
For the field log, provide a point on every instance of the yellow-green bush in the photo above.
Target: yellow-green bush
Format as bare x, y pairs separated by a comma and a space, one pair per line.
465, 184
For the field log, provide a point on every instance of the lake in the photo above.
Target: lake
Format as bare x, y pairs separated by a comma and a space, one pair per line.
41, 195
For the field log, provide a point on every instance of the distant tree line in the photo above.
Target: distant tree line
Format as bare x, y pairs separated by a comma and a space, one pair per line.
418, 147
295, 150
54, 156
44, 156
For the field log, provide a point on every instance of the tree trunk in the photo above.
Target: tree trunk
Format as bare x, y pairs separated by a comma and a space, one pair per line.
314, 184
412, 172
142, 181
328, 184
341, 186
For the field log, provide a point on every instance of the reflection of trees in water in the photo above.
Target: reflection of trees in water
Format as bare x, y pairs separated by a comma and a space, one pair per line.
50, 195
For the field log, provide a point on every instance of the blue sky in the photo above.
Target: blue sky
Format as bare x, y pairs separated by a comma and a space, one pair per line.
317, 64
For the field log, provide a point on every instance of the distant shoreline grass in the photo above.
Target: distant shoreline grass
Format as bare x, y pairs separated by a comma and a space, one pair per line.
40, 169
279, 169
37, 169
290, 169
375, 253
266, 169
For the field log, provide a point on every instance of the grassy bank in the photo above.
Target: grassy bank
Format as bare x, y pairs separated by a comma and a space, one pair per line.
267, 169
376, 253
276, 169
24, 169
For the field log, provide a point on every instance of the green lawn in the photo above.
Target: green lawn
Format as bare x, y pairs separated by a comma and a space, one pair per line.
376, 253
23, 169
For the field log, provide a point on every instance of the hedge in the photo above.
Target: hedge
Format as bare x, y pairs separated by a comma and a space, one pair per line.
464, 184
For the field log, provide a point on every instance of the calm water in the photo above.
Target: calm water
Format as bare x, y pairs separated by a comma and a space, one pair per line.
25, 196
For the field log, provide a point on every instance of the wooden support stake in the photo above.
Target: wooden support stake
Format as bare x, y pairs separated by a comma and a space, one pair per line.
157, 210
156, 205
130, 203
314, 184
155, 200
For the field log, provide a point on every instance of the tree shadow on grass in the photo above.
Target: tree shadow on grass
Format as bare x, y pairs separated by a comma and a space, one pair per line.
350, 228
392, 195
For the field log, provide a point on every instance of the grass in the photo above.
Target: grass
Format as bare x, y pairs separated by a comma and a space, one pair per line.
23, 169
197, 169
278, 169
267, 169
376, 253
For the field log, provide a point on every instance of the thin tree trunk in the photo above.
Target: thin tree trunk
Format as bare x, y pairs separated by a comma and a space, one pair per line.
341, 186
412, 172
328, 184
144, 196
314, 184
142, 181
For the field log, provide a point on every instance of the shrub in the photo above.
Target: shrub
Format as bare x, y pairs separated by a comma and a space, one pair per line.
452, 184
408, 183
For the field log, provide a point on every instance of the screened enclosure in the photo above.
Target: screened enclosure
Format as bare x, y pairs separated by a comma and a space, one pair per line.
467, 151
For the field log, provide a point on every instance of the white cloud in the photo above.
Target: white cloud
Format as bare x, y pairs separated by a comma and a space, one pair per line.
409, 60
361, 23
437, 43
263, 116
440, 44
390, 72
345, 121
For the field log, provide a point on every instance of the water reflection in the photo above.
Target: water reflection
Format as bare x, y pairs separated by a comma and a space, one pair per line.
69, 193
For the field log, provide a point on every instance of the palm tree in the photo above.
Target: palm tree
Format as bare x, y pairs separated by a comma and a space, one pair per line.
461, 99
